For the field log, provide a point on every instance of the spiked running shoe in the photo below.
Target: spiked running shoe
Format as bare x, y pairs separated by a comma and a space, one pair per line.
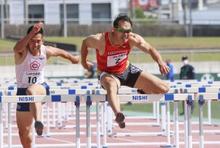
120, 120
38, 125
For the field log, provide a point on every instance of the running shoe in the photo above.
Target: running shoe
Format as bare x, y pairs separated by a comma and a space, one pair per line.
120, 120
38, 125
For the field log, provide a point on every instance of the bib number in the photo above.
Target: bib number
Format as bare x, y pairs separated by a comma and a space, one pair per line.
32, 80
114, 60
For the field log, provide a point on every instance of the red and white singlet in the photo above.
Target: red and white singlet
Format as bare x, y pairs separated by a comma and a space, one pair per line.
115, 58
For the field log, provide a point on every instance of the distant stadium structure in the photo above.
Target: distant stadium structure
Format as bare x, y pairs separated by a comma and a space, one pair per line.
200, 18
87, 12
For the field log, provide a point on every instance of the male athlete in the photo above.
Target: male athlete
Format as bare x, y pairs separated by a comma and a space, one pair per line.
30, 59
114, 69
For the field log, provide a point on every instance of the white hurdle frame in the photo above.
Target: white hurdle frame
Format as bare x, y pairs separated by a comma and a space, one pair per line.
124, 98
66, 98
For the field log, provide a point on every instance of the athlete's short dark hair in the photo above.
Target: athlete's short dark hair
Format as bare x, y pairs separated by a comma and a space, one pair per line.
120, 17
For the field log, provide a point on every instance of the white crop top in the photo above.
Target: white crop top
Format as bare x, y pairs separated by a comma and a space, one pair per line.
31, 70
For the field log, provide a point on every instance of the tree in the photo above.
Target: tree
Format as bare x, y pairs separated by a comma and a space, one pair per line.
139, 13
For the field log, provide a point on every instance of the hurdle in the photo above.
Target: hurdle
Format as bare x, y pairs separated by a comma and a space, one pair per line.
199, 90
57, 98
31, 99
202, 97
202, 89
1, 126
90, 85
175, 99
188, 123
188, 101
149, 98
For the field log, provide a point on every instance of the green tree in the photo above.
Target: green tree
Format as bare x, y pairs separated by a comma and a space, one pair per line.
139, 13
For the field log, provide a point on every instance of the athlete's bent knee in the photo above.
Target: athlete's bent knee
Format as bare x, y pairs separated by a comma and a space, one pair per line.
165, 88
109, 83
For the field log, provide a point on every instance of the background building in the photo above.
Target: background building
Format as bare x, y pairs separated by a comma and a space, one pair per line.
182, 17
52, 11
104, 11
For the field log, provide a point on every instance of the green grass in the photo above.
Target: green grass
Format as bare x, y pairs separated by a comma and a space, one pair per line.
6, 45
7, 60
148, 109
177, 56
182, 42
159, 42
164, 43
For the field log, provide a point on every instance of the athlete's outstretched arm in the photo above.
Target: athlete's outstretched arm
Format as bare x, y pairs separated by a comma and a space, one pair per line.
92, 41
22, 44
139, 42
54, 52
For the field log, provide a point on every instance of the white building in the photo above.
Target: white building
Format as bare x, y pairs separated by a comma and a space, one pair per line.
97, 11
51, 11
204, 12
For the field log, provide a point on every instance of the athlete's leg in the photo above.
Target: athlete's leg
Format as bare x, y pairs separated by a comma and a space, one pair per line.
151, 84
24, 123
36, 108
111, 84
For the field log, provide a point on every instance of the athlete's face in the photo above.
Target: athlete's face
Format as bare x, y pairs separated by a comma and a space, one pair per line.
123, 30
35, 43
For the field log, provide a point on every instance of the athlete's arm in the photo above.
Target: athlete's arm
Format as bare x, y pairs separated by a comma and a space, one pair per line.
92, 41
21, 45
139, 42
54, 52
